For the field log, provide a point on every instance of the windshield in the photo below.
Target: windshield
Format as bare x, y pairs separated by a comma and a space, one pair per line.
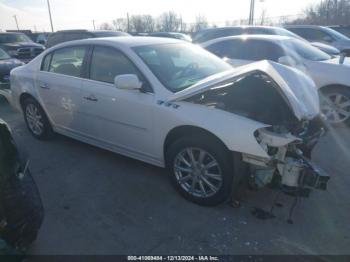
14, 38
335, 34
3, 55
284, 32
179, 66
343, 30
299, 49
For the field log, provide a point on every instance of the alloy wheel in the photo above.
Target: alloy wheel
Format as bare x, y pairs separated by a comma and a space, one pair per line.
198, 172
336, 107
34, 119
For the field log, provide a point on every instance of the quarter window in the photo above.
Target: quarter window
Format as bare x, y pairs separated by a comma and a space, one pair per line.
107, 63
67, 61
45, 65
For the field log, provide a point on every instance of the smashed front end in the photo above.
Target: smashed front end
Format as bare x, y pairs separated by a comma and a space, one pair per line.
286, 102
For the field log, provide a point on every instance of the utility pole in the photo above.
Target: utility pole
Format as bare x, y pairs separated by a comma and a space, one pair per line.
15, 17
251, 12
128, 22
93, 23
48, 6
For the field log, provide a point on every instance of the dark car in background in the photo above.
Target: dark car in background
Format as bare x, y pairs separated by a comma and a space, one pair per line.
20, 46
175, 35
7, 63
322, 34
343, 29
213, 33
37, 37
40, 38
70, 35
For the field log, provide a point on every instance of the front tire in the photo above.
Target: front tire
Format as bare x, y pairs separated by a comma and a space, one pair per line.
201, 169
36, 120
335, 105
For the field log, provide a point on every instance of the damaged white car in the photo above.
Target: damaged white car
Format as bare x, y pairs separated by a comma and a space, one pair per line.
175, 105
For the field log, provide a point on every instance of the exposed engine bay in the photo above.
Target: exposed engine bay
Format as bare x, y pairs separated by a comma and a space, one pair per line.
287, 141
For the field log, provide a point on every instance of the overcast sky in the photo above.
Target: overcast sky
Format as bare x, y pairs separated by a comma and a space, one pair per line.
72, 14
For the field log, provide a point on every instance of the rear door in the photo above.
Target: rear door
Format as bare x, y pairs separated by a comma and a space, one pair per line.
59, 85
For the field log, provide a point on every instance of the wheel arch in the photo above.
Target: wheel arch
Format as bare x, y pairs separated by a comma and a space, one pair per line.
25, 96
188, 130
330, 86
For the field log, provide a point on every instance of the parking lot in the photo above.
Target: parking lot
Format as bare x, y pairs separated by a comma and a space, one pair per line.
98, 202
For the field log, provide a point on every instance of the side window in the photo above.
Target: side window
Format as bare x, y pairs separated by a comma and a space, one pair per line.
107, 63
68, 61
261, 50
257, 31
45, 64
77, 36
307, 33
229, 49
54, 39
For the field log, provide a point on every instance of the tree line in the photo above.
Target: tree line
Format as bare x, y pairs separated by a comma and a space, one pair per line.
326, 12
166, 22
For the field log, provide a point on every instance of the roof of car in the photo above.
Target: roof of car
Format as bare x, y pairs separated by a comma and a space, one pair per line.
255, 37
129, 41
303, 26
239, 26
11, 33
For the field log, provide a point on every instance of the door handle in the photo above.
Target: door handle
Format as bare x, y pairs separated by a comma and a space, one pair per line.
44, 86
91, 98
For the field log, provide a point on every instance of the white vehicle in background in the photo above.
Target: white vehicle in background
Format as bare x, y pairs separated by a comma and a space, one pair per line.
331, 74
173, 104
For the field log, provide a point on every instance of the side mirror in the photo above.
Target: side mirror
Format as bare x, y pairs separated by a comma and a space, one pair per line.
42, 42
127, 81
287, 60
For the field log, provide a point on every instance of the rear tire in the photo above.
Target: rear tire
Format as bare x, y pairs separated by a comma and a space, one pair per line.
206, 178
36, 120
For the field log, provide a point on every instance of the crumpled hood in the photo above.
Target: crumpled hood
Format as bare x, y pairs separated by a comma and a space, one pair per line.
297, 88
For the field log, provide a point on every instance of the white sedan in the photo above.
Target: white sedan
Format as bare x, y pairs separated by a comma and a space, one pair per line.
173, 104
329, 73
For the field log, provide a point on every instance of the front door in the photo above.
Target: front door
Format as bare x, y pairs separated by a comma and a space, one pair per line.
121, 118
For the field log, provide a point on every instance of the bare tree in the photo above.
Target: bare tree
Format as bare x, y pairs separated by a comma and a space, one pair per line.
120, 24
106, 26
142, 23
263, 17
201, 23
169, 22
327, 12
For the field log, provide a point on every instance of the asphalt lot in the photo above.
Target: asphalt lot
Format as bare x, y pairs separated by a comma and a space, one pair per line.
98, 202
